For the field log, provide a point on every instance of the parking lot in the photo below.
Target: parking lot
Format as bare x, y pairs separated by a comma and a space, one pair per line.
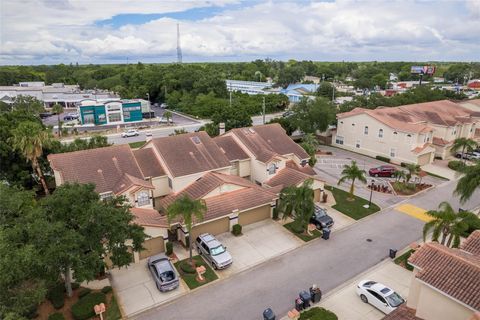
329, 167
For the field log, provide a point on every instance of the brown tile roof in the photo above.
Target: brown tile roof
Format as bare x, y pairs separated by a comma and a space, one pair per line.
230, 148
420, 149
402, 313
440, 141
268, 141
148, 162
472, 243
305, 169
287, 177
127, 181
454, 272
190, 153
104, 167
149, 217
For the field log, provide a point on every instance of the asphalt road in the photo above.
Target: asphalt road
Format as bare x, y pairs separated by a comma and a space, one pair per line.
328, 264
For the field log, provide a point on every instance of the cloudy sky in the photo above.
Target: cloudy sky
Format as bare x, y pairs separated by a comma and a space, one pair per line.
114, 31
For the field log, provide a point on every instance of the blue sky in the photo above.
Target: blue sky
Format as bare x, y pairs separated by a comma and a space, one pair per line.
112, 31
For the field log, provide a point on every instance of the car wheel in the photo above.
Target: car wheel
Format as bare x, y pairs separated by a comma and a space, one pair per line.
199, 251
376, 175
364, 299
214, 266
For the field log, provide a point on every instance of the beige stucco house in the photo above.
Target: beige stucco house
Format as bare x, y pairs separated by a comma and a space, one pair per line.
239, 175
415, 133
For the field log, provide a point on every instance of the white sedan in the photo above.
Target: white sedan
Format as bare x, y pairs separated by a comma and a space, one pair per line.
130, 133
378, 295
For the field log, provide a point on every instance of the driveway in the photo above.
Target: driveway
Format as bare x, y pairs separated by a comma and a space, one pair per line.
260, 242
346, 304
136, 290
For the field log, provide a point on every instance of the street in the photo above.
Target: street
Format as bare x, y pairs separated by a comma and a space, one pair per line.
328, 264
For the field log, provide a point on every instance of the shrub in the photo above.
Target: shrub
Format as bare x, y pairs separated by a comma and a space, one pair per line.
107, 289
169, 248
56, 316
403, 164
275, 213
237, 229
457, 165
56, 295
297, 227
83, 309
317, 313
186, 267
83, 292
75, 285
381, 158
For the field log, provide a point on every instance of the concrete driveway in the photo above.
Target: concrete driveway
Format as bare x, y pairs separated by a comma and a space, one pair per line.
260, 242
346, 304
136, 290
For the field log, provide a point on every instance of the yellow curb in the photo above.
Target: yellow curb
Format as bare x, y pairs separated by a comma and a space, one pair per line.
414, 211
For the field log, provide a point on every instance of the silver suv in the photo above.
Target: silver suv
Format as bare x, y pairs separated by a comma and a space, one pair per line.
213, 251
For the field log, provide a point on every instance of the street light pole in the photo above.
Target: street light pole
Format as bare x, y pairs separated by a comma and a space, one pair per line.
371, 192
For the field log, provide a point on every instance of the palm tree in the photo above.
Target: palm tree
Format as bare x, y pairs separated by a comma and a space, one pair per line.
413, 169
464, 144
467, 185
168, 116
352, 172
298, 204
58, 109
310, 144
448, 224
187, 210
30, 138
399, 174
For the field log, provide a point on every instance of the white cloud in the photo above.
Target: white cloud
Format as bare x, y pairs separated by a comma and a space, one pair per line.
57, 31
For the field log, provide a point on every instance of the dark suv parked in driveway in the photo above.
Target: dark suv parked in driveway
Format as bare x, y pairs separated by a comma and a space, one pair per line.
321, 219
163, 272
382, 171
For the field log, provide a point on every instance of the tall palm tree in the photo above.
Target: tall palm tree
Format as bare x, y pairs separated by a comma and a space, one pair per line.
298, 203
413, 169
58, 109
399, 174
448, 224
467, 184
352, 172
30, 138
187, 210
310, 144
464, 144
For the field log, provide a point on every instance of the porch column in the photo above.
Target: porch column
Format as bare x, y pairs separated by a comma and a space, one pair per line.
136, 257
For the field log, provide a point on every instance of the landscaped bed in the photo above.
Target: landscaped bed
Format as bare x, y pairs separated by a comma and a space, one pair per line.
403, 260
353, 209
135, 145
317, 313
188, 273
293, 228
408, 189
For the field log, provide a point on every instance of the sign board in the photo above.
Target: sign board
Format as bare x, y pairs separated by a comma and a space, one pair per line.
428, 70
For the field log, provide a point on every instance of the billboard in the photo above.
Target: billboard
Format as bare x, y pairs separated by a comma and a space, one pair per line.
428, 70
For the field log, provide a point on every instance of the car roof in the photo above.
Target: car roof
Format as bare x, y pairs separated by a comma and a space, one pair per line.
210, 240
379, 288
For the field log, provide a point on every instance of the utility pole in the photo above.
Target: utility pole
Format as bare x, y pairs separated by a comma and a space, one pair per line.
263, 109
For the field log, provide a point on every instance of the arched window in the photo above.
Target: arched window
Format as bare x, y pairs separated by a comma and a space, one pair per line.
272, 168
380, 133
365, 130
143, 198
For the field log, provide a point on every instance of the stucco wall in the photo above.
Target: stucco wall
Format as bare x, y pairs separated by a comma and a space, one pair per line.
222, 189
161, 186
244, 168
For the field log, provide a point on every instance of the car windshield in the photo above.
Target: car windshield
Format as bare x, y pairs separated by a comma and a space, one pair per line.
395, 300
217, 250
167, 276
320, 213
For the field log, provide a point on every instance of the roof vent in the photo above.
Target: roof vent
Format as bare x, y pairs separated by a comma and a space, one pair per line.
196, 140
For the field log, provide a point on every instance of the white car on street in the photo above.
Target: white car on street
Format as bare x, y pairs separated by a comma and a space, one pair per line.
378, 295
130, 133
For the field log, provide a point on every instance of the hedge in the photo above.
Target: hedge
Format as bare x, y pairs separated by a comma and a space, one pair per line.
457, 165
381, 158
83, 309
237, 229
56, 316
107, 289
187, 267
56, 295
169, 248
83, 292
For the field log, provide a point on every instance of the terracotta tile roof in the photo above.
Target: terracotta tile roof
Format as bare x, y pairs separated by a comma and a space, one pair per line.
472, 243
440, 141
422, 148
230, 148
104, 167
287, 177
268, 141
148, 163
454, 272
127, 181
190, 153
305, 169
149, 217
402, 313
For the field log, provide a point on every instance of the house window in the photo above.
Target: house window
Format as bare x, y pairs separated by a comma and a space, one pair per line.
408, 137
169, 183
143, 198
392, 153
114, 117
365, 130
338, 140
272, 168
106, 196
380, 133
357, 145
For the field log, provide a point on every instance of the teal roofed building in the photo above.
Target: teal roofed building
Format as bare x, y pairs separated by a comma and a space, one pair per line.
95, 112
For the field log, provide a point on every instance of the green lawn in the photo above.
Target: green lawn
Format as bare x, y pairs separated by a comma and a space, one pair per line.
317, 313
353, 209
113, 312
189, 278
291, 227
403, 260
137, 144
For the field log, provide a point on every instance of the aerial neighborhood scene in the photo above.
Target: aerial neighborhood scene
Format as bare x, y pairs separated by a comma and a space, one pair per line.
240, 160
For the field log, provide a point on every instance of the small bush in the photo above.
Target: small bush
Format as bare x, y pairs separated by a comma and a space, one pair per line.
186, 267
83, 309
83, 292
275, 213
237, 229
457, 165
297, 227
317, 313
107, 289
75, 285
403, 164
56, 295
381, 158
56, 316
169, 248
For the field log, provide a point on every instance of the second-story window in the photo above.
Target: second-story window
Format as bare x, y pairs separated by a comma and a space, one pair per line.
272, 168
143, 198
365, 130
380, 133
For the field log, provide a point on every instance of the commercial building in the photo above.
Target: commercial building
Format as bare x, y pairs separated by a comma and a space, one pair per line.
248, 87
98, 112
66, 95
413, 133
295, 92
239, 175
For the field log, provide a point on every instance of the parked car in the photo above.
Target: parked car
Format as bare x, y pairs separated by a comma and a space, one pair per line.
44, 115
382, 171
70, 116
468, 155
148, 133
321, 219
130, 133
164, 106
163, 272
378, 295
287, 114
213, 251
